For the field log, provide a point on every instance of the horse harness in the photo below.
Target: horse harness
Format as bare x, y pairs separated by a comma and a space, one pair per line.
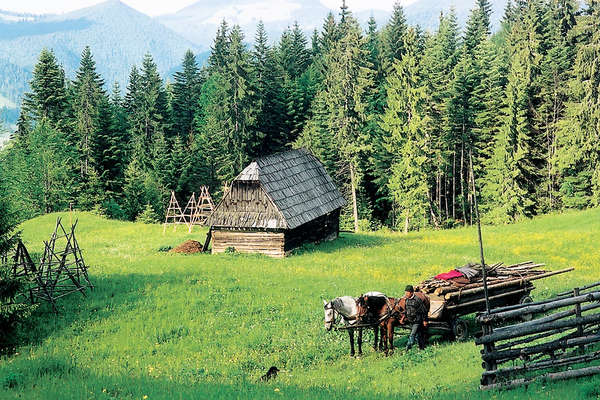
391, 311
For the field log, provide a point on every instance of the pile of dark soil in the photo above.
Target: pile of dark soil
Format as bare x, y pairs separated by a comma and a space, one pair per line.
189, 247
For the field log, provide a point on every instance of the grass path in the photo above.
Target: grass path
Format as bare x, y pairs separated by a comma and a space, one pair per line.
201, 326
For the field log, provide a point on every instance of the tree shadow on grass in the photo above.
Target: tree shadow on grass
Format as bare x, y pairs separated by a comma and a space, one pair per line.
111, 295
353, 240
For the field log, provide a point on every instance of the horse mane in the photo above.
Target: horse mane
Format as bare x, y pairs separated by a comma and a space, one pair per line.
337, 302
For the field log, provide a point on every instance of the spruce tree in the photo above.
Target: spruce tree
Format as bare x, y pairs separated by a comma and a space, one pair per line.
578, 136
217, 60
393, 37
439, 59
347, 80
488, 98
555, 69
112, 143
478, 25
516, 167
407, 125
460, 121
270, 102
241, 110
186, 90
48, 96
88, 94
146, 104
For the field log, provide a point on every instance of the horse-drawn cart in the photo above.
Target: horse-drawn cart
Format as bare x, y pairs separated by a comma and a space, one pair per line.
449, 296
460, 292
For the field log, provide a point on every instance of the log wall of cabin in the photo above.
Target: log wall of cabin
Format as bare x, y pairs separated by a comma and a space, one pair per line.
326, 227
268, 243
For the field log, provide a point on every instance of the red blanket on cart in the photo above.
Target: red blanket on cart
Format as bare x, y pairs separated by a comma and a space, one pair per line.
449, 275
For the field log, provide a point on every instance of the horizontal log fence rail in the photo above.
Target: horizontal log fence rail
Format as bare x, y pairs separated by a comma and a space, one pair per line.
561, 342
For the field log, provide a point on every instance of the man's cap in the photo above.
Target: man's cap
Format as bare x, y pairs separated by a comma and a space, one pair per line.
409, 288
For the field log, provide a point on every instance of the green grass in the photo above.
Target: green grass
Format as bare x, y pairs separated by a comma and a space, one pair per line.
208, 326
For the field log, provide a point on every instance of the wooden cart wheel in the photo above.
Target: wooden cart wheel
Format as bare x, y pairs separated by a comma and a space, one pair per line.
526, 299
460, 329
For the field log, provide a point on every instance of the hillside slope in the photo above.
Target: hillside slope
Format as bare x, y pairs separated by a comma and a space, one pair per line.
118, 35
201, 326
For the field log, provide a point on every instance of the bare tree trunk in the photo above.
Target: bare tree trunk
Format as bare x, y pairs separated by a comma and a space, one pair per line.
454, 183
439, 190
434, 218
406, 222
354, 205
446, 196
462, 183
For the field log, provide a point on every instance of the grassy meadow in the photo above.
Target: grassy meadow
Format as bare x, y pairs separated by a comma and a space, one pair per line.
169, 326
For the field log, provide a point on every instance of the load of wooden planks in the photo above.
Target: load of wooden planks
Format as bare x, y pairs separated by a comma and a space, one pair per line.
507, 284
496, 273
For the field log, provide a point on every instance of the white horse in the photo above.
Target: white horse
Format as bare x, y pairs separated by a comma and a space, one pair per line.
345, 308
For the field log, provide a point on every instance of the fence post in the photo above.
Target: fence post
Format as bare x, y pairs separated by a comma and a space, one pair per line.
578, 315
489, 365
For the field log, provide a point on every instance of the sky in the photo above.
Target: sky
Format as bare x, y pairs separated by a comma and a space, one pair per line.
159, 7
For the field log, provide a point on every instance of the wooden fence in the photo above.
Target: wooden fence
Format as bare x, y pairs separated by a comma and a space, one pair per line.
564, 333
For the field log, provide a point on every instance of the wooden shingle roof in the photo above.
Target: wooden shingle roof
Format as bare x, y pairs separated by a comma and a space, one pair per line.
297, 184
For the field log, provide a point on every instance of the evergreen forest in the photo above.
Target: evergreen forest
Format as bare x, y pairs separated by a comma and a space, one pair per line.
411, 124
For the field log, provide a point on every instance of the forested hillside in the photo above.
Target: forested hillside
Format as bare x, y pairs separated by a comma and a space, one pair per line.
118, 34
399, 117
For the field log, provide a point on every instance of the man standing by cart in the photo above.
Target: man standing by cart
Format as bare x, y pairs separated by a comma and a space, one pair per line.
416, 317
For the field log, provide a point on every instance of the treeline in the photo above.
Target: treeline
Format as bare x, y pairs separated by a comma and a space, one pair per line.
402, 119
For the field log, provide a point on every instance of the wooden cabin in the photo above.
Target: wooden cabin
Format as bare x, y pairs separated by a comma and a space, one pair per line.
276, 204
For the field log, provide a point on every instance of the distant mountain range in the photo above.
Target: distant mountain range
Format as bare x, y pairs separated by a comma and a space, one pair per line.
198, 22
119, 36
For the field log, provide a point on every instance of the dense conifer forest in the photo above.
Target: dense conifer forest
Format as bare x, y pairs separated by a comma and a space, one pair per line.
400, 117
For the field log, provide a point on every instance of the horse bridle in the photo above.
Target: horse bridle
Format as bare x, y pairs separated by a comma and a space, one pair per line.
332, 321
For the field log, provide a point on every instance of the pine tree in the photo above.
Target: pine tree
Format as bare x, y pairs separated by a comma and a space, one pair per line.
346, 83
218, 54
578, 136
515, 171
393, 37
48, 96
267, 77
478, 25
555, 68
407, 125
186, 90
88, 94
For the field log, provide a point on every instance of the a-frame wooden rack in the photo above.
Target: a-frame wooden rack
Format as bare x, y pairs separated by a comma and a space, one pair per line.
61, 271
204, 207
175, 216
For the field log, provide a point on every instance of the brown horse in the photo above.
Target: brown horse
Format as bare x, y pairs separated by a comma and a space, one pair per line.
398, 318
377, 311
387, 314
